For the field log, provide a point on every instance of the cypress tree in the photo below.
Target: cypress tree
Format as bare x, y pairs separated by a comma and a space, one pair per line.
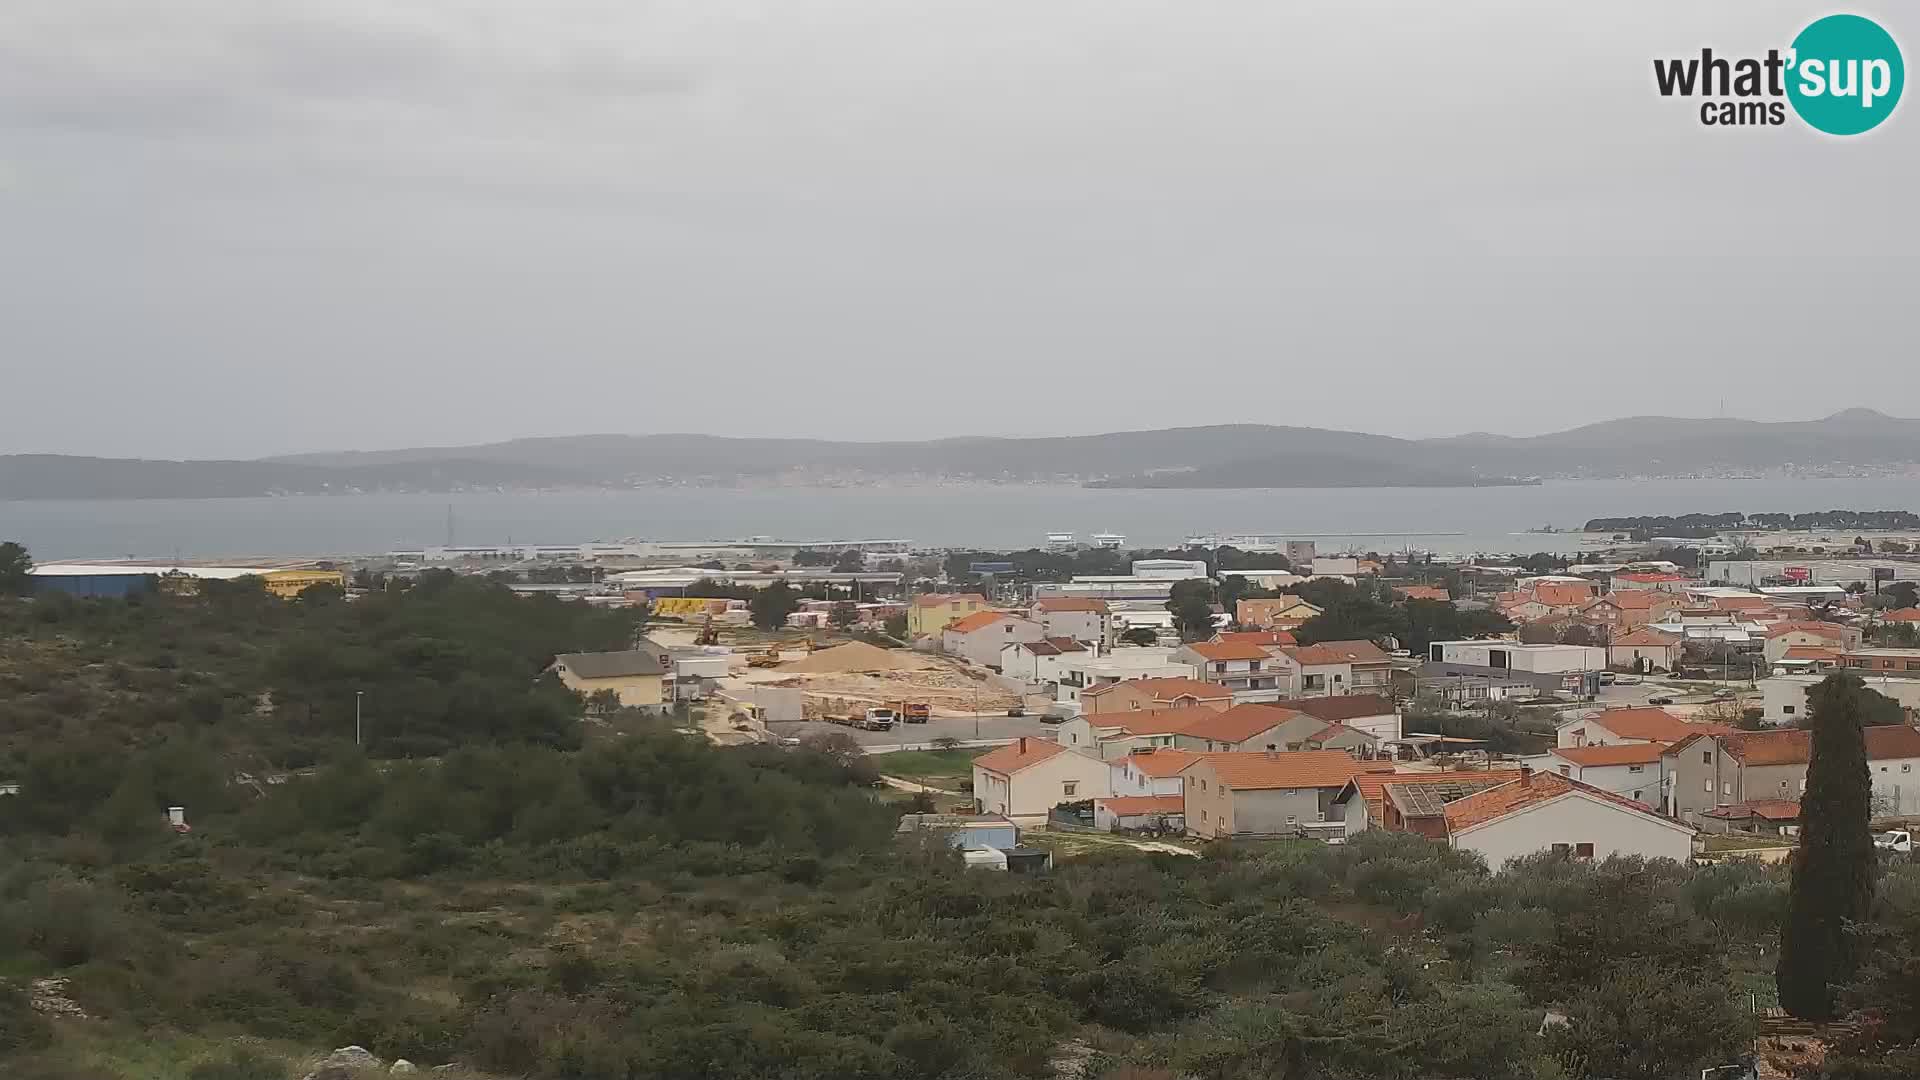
1833, 870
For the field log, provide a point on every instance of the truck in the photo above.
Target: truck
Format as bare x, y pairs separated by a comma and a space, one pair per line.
915, 712
1899, 840
875, 719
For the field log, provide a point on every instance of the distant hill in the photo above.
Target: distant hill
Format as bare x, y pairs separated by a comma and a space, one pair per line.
1227, 455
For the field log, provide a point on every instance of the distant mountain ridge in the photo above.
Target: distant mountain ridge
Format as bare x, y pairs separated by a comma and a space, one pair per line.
1226, 455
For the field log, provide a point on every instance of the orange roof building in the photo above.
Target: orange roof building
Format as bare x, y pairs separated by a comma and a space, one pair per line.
1128, 806
1364, 799
1214, 651
1647, 753
1238, 728
1631, 725
1052, 604
1265, 794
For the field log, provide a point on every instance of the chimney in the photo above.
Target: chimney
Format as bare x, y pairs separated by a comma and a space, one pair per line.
1526, 776
1023, 744
1273, 755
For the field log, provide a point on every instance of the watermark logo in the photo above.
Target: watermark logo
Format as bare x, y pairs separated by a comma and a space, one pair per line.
1842, 75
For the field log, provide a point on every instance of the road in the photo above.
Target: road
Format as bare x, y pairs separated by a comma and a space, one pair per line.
996, 727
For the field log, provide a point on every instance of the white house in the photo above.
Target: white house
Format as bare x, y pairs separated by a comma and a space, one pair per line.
1037, 661
1028, 777
1244, 668
1611, 727
1083, 671
1644, 650
1782, 636
1371, 713
1111, 736
1079, 618
1629, 769
1149, 771
1514, 656
980, 637
1547, 812
1333, 668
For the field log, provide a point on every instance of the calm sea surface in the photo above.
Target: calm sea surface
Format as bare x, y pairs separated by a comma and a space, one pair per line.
1438, 519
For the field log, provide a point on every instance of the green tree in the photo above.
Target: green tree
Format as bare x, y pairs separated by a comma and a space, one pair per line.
1643, 1024
1832, 876
15, 565
897, 626
770, 606
1140, 635
1191, 602
1904, 594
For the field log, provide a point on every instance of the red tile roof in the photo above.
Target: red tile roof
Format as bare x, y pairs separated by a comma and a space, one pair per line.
1154, 721
1371, 786
1634, 599
1795, 747
1162, 762
1295, 769
1742, 603
1624, 754
1562, 595
1070, 603
1053, 646
1810, 652
1825, 629
1017, 755
1653, 725
1238, 724
1337, 652
1905, 614
1130, 805
1165, 689
1530, 789
1423, 592
968, 624
1343, 707
1228, 650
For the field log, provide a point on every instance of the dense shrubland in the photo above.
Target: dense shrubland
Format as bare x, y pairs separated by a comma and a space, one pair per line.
650, 906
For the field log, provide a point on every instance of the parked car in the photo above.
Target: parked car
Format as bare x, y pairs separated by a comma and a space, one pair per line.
1659, 701
1608, 678
1017, 710
1052, 718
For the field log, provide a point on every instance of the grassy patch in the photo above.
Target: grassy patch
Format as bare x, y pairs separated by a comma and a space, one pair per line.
928, 766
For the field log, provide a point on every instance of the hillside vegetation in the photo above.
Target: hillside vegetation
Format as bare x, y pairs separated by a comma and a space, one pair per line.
652, 906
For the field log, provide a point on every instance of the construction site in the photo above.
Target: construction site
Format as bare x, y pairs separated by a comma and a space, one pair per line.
841, 676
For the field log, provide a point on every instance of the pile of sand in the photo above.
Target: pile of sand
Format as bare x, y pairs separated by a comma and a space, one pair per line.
855, 656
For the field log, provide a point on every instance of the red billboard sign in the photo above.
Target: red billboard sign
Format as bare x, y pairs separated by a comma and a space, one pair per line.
1797, 573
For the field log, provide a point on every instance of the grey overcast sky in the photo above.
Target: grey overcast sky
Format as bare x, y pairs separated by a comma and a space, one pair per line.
245, 227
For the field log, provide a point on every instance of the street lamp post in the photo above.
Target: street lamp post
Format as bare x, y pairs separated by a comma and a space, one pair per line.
357, 695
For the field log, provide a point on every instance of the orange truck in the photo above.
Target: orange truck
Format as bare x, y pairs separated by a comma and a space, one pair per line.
914, 712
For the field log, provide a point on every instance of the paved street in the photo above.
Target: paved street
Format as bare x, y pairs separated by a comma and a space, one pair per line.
994, 726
